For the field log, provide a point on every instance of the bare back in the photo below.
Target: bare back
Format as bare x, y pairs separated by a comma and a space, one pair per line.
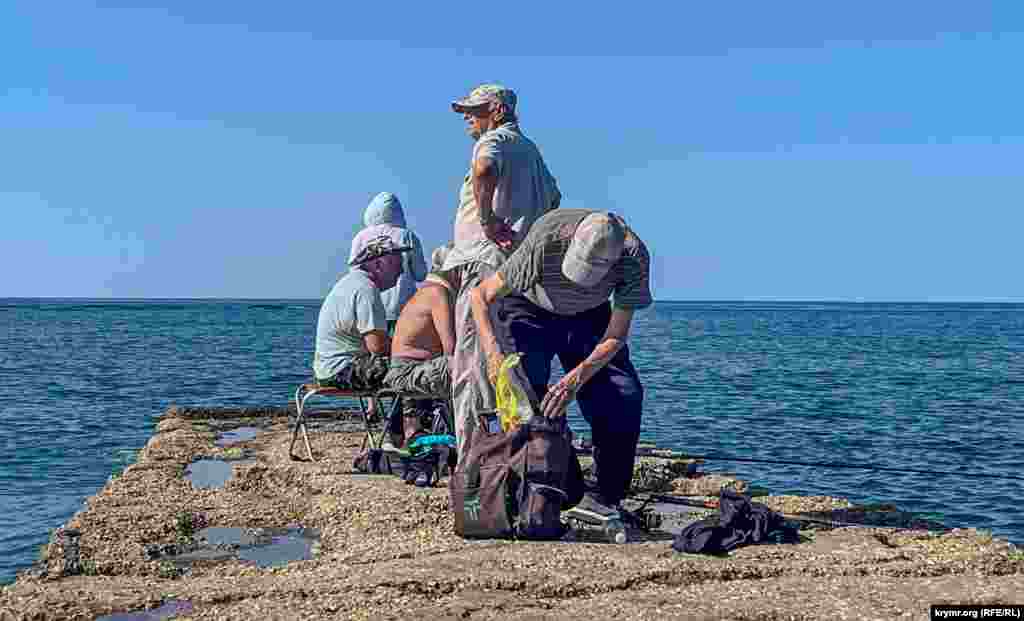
421, 332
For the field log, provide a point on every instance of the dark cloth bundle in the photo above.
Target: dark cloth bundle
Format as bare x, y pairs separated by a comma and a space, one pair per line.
740, 523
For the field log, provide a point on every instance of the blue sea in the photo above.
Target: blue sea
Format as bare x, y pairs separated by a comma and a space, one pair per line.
934, 387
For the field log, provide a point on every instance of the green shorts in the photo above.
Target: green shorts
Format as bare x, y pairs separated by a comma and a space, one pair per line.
428, 377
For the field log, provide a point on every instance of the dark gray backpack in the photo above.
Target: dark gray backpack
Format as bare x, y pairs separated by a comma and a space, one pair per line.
515, 484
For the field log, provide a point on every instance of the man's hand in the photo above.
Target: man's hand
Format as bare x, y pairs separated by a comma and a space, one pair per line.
499, 232
559, 396
562, 394
494, 362
377, 342
480, 299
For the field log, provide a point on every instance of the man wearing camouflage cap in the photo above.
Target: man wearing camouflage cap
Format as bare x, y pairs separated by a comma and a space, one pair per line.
507, 188
351, 335
555, 293
508, 185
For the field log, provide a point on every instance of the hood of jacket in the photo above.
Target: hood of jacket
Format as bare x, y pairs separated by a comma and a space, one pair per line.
385, 208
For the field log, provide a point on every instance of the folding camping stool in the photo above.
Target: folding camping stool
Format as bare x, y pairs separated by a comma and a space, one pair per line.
307, 391
443, 422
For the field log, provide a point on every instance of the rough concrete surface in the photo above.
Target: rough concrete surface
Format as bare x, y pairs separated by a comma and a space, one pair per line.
387, 551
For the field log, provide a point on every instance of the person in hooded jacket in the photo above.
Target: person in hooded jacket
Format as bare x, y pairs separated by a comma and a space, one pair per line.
384, 216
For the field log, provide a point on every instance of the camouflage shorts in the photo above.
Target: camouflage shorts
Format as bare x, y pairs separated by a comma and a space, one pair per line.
429, 377
365, 372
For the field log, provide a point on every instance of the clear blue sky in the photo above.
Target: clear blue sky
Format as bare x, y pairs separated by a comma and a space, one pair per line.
794, 150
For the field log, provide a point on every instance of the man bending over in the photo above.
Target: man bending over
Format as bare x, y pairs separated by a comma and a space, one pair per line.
556, 289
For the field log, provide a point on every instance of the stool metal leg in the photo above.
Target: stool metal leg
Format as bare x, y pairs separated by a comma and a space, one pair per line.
374, 441
300, 423
391, 413
305, 432
439, 424
444, 424
298, 420
394, 413
443, 420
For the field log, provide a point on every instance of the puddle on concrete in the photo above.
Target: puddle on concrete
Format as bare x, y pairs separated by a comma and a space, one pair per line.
282, 549
208, 473
263, 547
215, 472
168, 611
228, 536
234, 436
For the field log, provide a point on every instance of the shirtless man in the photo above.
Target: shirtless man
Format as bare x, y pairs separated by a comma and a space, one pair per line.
424, 342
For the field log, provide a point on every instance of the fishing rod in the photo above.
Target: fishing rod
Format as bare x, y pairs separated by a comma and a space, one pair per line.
647, 451
713, 505
975, 475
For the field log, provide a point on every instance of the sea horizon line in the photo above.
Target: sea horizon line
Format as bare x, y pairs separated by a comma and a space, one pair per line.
987, 301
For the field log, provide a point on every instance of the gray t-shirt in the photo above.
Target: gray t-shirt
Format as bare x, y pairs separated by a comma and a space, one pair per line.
352, 309
535, 269
525, 190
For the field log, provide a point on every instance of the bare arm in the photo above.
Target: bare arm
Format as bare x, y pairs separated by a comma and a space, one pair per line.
485, 180
613, 340
480, 298
377, 342
444, 320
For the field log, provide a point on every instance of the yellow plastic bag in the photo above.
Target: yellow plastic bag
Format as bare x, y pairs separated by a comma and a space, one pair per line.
513, 403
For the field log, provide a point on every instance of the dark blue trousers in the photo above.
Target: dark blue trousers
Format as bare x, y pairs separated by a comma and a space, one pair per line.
611, 402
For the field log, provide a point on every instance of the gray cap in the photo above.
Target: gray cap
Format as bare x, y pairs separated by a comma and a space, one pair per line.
484, 94
375, 248
595, 247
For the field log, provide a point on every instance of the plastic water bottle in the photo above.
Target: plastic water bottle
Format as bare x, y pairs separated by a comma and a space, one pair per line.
615, 531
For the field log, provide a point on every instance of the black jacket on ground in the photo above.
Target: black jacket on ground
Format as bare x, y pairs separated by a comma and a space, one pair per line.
740, 523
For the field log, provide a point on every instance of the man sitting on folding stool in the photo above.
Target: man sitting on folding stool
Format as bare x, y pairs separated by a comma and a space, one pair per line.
420, 350
351, 334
